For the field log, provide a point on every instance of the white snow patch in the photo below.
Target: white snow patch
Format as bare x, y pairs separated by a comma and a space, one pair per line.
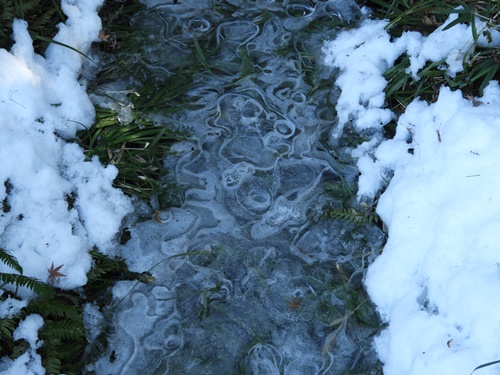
43, 104
437, 282
29, 363
28, 330
11, 307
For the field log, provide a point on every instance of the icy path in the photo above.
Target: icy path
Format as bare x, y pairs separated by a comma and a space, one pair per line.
268, 286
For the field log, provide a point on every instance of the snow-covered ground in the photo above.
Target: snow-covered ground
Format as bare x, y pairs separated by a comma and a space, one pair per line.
437, 282
42, 104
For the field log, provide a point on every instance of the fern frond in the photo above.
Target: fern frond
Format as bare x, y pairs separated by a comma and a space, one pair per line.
70, 298
10, 260
33, 284
54, 309
107, 270
104, 264
52, 365
69, 352
70, 330
7, 326
354, 216
19, 348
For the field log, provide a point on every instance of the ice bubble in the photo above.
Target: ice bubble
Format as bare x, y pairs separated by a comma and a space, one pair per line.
283, 214
233, 176
284, 128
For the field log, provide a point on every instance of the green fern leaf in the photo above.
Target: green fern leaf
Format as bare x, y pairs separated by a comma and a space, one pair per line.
353, 216
35, 285
10, 260
52, 365
7, 326
67, 353
54, 309
70, 330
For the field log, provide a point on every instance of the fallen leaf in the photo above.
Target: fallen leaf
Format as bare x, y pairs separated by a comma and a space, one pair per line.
54, 273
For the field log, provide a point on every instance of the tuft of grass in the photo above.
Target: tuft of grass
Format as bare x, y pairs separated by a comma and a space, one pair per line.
426, 15
136, 149
42, 17
481, 64
138, 144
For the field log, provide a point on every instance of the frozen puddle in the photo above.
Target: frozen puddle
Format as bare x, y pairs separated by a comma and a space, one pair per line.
264, 278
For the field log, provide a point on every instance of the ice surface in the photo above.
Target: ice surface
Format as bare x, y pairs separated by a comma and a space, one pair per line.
93, 321
240, 268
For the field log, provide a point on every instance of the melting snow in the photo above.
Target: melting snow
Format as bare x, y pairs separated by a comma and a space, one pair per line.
437, 282
43, 104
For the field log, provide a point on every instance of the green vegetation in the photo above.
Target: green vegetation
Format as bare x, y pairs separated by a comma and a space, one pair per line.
136, 147
63, 333
352, 311
42, 17
130, 135
20, 280
481, 63
342, 205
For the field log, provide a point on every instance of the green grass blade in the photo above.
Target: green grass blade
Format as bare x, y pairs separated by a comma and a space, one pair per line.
200, 55
48, 40
485, 365
58, 9
488, 77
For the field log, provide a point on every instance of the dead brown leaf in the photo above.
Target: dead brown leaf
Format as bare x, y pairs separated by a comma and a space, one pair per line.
54, 273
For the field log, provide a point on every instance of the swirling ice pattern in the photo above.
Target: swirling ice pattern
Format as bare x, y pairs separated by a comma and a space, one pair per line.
247, 296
